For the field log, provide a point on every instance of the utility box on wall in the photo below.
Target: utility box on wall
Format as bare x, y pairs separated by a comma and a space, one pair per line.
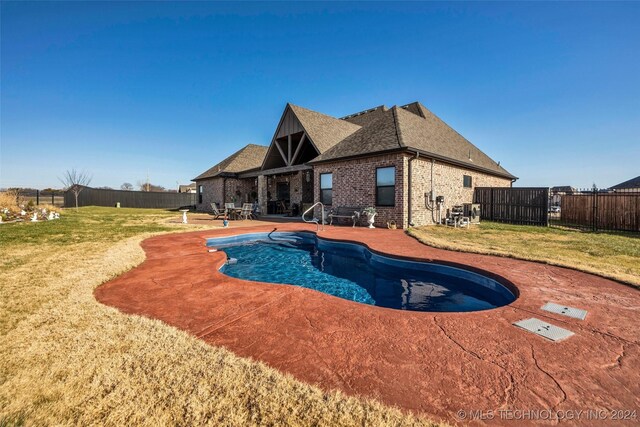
472, 211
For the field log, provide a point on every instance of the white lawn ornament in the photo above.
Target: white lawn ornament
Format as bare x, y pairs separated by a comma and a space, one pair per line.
371, 218
184, 215
57, 215
51, 216
23, 212
34, 218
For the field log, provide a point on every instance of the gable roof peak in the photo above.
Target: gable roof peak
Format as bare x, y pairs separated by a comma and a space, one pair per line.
323, 130
247, 158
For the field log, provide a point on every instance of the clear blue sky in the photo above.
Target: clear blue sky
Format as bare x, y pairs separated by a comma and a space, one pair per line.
551, 90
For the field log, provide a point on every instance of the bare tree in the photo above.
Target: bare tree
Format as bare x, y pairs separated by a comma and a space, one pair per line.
147, 186
75, 181
127, 186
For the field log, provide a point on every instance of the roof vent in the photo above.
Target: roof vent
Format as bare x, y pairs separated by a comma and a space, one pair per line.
361, 112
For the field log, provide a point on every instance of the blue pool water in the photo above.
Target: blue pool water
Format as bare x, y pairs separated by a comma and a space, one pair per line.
352, 272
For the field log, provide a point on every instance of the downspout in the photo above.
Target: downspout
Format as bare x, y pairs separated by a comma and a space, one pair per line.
410, 183
432, 196
224, 190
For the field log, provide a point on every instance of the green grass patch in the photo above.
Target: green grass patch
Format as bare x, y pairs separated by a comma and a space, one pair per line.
612, 255
86, 224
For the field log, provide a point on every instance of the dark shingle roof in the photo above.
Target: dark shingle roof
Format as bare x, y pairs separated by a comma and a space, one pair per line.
245, 159
373, 131
632, 183
414, 127
426, 132
365, 117
379, 135
325, 131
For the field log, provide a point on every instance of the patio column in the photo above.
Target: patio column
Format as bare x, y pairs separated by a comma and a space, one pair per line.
262, 193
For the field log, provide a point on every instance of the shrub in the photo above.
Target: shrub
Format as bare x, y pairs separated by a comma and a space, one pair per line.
10, 199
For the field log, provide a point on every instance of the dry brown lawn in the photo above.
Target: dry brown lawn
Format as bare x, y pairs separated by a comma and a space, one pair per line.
66, 359
612, 255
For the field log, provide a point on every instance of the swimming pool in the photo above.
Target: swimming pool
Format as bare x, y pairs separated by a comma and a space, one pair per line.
353, 272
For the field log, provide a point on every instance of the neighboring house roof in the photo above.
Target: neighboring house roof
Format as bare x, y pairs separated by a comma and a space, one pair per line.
185, 188
632, 183
563, 189
247, 158
323, 130
412, 127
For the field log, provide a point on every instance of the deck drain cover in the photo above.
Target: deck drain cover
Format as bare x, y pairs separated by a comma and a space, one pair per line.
547, 330
576, 313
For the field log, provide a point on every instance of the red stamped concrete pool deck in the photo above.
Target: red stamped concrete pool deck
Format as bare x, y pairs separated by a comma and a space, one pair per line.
435, 364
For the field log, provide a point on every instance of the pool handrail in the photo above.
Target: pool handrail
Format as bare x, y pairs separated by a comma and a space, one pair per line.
315, 220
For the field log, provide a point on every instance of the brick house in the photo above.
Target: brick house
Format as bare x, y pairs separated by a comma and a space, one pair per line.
397, 160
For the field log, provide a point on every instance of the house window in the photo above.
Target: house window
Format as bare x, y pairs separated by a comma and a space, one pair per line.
326, 188
386, 186
199, 193
466, 181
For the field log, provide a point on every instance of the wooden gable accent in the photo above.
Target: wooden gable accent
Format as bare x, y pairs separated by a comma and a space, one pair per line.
290, 145
289, 124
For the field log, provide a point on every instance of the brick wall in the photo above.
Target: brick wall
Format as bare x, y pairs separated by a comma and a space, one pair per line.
447, 182
354, 185
211, 192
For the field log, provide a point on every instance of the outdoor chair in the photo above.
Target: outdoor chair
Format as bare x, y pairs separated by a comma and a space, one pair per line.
215, 211
230, 210
255, 210
246, 211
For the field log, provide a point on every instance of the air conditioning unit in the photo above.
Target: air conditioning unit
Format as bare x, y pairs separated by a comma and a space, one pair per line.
472, 211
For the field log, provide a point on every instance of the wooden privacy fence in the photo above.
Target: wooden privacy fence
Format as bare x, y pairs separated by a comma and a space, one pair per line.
129, 199
526, 205
601, 210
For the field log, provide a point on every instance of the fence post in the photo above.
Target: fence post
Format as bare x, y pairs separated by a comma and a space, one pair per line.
491, 202
52, 200
595, 210
37, 197
546, 206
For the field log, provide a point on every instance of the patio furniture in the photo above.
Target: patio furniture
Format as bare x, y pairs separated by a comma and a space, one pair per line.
456, 220
246, 211
272, 207
351, 213
215, 211
230, 210
282, 207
